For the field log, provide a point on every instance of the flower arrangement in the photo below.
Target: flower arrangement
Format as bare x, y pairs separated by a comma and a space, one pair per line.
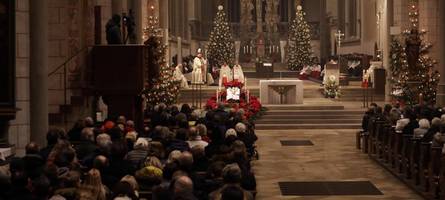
331, 88
234, 83
252, 107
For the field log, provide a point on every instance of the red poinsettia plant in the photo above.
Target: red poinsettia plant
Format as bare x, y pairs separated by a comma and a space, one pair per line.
252, 108
234, 83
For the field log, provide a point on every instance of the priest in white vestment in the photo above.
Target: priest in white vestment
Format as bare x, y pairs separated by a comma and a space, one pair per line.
199, 74
177, 74
238, 73
198, 66
225, 74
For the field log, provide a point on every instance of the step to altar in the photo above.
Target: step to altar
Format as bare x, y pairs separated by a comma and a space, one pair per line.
314, 114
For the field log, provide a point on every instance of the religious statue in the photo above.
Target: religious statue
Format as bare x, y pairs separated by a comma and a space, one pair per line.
113, 30
271, 16
130, 24
412, 50
246, 20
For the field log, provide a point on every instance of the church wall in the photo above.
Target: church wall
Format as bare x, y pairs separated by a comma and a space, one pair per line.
368, 36
429, 20
19, 129
57, 50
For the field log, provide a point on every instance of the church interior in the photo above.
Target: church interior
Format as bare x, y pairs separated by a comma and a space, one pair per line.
222, 99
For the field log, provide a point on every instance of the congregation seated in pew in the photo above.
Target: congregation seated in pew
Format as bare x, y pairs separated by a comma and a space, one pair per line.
408, 142
172, 159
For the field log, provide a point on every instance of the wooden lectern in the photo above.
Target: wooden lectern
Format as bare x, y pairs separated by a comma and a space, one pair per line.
120, 72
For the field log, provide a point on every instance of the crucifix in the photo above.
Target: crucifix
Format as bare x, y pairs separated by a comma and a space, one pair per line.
339, 36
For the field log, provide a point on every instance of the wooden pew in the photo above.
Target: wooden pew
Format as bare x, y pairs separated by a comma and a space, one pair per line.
406, 152
425, 158
415, 160
434, 171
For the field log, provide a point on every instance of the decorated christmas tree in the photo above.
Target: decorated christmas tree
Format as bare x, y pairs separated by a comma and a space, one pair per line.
163, 88
412, 70
221, 47
299, 42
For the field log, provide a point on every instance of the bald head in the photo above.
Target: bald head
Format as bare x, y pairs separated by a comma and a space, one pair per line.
186, 160
100, 162
32, 148
183, 184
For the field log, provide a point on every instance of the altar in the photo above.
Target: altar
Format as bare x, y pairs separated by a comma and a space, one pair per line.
281, 91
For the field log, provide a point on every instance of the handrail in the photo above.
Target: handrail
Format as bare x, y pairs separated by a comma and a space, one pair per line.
67, 61
65, 88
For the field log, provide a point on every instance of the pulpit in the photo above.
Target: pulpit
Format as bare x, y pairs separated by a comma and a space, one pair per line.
7, 77
120, 72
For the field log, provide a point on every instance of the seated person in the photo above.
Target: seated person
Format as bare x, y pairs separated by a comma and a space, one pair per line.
177, 74
424, 125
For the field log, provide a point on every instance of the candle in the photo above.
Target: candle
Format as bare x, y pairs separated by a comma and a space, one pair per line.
217, 98
245, 83
251, 51
270, 50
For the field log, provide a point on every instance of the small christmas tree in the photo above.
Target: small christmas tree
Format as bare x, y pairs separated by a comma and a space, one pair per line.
412, 73
299, 42
221, 47
162, 88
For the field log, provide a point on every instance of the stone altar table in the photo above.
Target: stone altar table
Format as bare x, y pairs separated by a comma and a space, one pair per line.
281, 91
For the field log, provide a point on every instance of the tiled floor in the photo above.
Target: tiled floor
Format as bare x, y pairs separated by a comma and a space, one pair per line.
332, 158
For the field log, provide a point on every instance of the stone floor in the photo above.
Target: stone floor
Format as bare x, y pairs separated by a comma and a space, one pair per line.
332, 158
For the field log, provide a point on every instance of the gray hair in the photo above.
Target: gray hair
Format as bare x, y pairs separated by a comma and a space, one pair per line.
103, 140
202, 129
230, 132
87, 134
231, 173
442, 118
141, 143
436, 122
424, 123
240, 127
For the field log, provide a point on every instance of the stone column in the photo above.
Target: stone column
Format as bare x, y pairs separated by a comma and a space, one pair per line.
259, 10
324, 35
163, 17
137, 7
441, 49
385, 37
117, 7
38, 17
179, 50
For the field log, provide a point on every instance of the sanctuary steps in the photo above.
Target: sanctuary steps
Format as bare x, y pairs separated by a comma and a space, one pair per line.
308, 116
